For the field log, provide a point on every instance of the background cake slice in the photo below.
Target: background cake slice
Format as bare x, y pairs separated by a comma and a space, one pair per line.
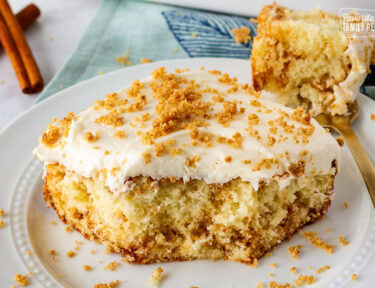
188, 165
304, 59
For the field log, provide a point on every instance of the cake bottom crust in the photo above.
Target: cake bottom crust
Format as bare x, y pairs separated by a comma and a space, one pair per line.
98, 215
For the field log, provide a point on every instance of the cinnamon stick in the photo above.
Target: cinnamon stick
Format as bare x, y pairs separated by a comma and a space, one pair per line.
27, 16
14, 56
15, 30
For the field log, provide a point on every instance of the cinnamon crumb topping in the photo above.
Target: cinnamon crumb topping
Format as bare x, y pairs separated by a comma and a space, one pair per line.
159, 150
113, 284
318, 242
294, 251
342, 241
305, 279
156, 277
241, 35
113, 119
146, 157
51, 135
22, 280
112, 266
322, 269
191, 162
89, 137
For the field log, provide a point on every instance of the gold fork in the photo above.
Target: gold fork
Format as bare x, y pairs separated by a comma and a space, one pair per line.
341, 124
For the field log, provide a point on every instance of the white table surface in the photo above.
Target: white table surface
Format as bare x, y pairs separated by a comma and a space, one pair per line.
52, 39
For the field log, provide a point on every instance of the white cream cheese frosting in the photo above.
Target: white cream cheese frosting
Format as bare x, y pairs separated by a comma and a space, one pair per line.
234, 135
359, 52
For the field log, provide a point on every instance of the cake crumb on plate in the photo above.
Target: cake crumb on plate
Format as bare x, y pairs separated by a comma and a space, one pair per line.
156, 277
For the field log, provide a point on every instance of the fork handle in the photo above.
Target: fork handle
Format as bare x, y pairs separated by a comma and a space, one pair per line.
363, 161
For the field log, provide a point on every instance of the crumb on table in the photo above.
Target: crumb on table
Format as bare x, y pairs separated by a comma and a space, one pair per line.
22, 280
156, 277
113, 284
1, 223
372, 116
343, 241
354, 277
346, 205
318, 242
294, 251
241, 35
112, 266
293, 270
1, 212
70, 253
304, 279
322, 269
86, 267
145, 60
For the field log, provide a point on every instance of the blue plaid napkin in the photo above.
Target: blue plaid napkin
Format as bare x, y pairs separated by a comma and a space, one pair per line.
153, 31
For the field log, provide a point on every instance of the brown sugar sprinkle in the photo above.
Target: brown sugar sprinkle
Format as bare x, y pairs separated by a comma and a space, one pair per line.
304, 279
52, 252
124, 59
146, 157
293, 270
191, 162
346, 205
51, 135
354, 277
229, 111
342, 241
294, 251
228, 159
86, 267
120, 134
112, 266
113, 284
145, 60
113, 119
241, 35
274, 284
372, 116
89, 137
253, 119
318, 242
341, 141
70, 253
159, 150
156, 277
322, 269
22, 280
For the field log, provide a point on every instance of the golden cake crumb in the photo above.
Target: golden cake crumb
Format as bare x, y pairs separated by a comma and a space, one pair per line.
124, 59
76, 248
68, 228
112, 266
329, 230
145, 60
146, 157
260, 285
271, 274
70, 253
346, 205
305, 279
52, 252
354, 277
294, 251
228, 159
113, 284
241, 35
89, 137
341, 141
100, 72
1, 223
293, 270
53, 223
1, 212
92, 251
28, 252
322, 269
274, 284
113, 119
254, 20
23, 281
342, 241
120, 134
372, 116
156, 277
318, 242
78, 242
273, 265
86, 267
12, 286
194, 35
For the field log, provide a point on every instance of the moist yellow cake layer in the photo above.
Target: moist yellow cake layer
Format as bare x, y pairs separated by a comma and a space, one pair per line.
169, 220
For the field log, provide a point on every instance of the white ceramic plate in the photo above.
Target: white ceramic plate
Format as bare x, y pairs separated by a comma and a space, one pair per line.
28, 221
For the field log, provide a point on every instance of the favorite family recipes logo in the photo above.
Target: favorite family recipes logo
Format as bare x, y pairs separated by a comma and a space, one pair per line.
357, 22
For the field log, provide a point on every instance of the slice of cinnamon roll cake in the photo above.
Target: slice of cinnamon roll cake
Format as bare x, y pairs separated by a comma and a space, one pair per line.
188, 165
